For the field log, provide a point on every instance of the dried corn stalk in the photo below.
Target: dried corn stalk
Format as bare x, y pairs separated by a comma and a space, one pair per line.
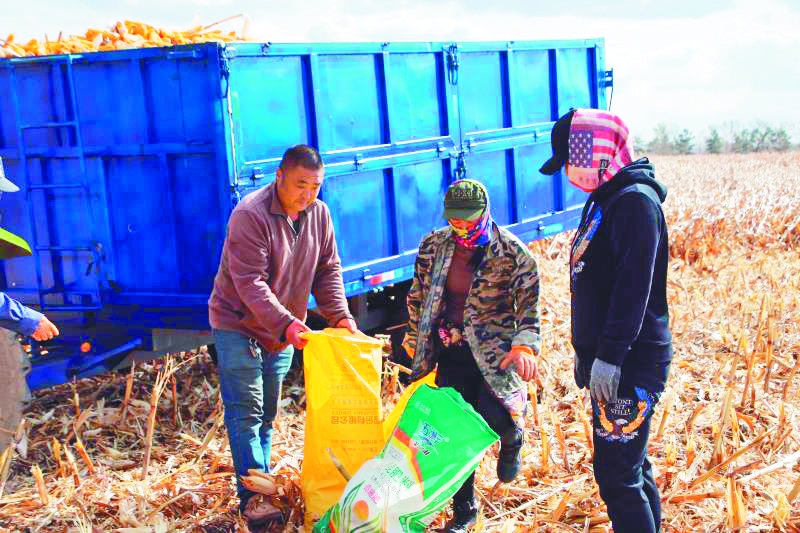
733, 253
737, 516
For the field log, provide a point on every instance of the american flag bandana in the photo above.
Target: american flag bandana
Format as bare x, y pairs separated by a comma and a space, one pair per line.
598, 148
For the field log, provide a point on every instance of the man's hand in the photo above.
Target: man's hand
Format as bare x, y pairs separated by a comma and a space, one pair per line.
349, 324
523, 360
604, 381
45, 331
294, 334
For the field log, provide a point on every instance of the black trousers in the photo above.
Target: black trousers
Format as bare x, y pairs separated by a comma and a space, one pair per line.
458, 369
621, 467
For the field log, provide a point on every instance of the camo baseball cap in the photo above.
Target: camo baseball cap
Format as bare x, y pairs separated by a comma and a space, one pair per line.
465, 199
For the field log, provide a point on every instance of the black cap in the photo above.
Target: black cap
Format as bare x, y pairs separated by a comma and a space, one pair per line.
559, 140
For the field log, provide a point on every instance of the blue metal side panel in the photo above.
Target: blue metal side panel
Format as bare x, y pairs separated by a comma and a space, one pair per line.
68, 223
415, 99
351, 113
363, 105
418, 201
200, 234
115, 90
271, 98
167, 216
149, 125
361, 211
171, 137
575, 88
38, 85
493, 170
390, 121
482, 77
145, 250
529, 86
535, 196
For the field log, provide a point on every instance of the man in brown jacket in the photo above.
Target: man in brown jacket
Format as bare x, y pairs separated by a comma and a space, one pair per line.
280, 248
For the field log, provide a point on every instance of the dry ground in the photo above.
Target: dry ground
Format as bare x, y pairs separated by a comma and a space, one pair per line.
724, 437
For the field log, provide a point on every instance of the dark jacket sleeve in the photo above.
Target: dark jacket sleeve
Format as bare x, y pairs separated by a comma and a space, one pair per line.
17, 317
249, 256
328, 286
635, 223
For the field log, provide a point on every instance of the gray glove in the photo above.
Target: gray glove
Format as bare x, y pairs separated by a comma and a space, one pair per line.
604, 381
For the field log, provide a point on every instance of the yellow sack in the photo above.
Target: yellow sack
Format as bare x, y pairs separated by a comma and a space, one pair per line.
343, 413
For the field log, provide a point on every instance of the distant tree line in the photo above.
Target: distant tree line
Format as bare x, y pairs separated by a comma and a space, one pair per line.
758, 139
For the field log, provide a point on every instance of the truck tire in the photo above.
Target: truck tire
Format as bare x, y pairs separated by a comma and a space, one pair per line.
13, 387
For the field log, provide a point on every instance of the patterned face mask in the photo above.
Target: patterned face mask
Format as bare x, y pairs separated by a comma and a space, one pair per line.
598, 148
477, 234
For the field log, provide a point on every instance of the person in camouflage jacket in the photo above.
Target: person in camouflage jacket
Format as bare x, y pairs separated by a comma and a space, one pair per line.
496, 342
501, 312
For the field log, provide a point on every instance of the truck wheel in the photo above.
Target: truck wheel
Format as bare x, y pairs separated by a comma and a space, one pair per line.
13, 387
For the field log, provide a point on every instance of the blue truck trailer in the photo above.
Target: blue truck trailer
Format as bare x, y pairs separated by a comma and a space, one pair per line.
129, 163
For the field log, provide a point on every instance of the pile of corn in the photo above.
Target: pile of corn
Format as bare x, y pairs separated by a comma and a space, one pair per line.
122, 36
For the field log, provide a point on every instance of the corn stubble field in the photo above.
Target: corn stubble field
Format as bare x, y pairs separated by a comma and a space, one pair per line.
148, 451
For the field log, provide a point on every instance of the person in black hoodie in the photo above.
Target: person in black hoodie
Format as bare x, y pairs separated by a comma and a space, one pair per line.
620, 318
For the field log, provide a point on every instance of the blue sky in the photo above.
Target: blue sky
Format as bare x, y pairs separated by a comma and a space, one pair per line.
686, 63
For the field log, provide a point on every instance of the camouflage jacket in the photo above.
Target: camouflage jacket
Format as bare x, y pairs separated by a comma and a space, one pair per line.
501, 309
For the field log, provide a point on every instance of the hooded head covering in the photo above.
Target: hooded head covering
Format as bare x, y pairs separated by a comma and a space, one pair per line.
594, 145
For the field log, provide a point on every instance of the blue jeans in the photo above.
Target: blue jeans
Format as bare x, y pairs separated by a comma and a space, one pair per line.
251, 390
621, 467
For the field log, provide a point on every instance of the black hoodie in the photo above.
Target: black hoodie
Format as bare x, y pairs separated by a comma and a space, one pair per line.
618, 279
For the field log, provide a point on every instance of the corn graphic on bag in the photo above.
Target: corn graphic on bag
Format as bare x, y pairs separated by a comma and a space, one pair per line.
437, 443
